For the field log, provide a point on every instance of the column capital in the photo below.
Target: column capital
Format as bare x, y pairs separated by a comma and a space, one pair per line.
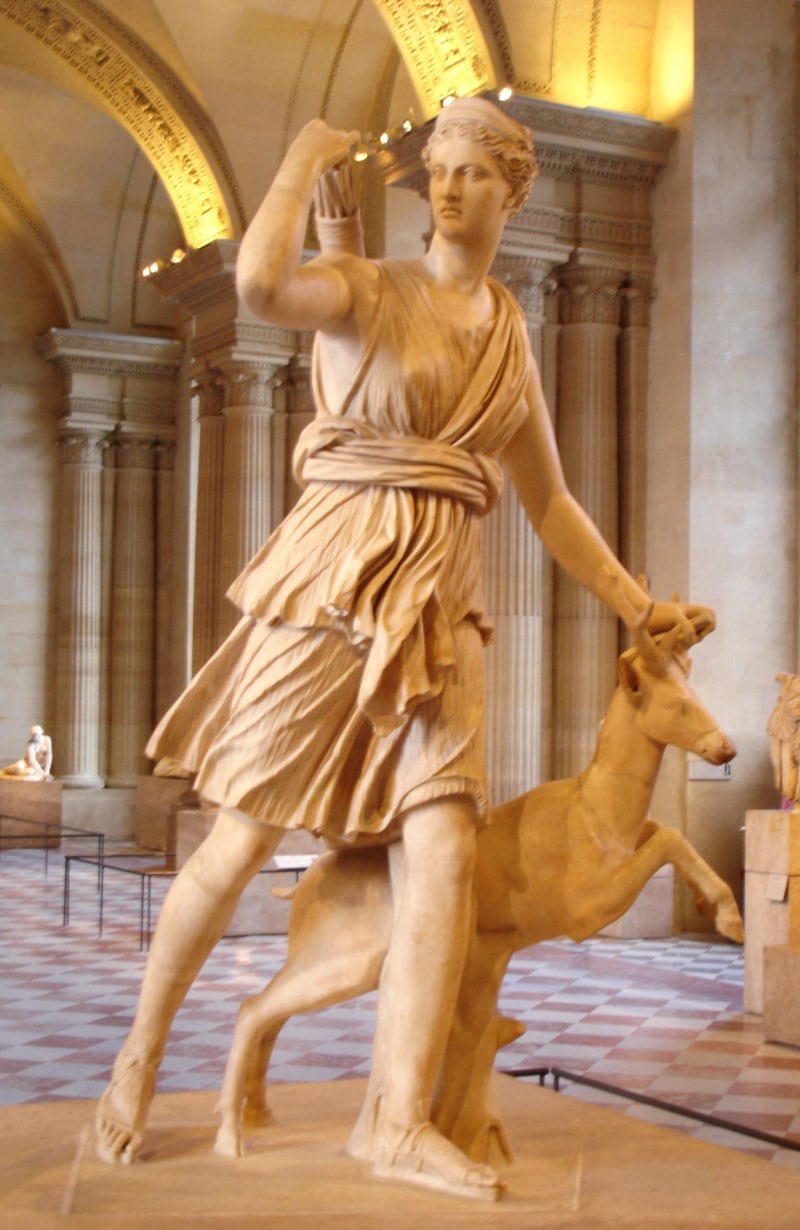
246, 384
82, 445
134, 451
635, 304
207, 385
590, 294
164, 452
526, 277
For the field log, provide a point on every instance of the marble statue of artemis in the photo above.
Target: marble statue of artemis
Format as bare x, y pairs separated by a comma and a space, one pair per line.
349, 698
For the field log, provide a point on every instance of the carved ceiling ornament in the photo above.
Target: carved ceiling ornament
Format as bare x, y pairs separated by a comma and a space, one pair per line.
143, 109
443, 48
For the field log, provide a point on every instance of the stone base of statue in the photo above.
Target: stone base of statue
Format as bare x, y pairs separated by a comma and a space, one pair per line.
576, 1166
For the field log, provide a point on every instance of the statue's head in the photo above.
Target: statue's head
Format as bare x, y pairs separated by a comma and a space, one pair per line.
509, 143
36, 732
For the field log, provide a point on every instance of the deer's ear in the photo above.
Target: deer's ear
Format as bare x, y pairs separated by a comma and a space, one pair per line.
629, 680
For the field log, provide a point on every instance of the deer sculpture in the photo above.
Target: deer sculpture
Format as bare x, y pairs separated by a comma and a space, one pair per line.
564, 859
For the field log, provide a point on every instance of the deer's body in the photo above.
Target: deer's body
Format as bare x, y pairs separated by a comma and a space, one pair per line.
566, 858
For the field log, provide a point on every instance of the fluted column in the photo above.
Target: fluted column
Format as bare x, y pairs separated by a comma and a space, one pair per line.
132, 654
164, 573
586, 632
253, 456
518, 596
634, 342
79, 617
207, 585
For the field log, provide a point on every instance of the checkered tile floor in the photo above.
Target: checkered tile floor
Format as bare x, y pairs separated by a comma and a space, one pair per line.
660, 1018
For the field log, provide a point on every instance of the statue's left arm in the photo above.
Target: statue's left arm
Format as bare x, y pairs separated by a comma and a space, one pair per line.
534, 467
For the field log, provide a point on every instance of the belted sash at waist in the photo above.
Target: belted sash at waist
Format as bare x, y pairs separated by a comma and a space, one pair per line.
336, 450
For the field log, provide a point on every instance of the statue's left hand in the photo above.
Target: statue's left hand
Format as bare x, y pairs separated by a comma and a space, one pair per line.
697, 620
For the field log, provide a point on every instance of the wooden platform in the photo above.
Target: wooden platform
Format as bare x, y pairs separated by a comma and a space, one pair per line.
578, 1166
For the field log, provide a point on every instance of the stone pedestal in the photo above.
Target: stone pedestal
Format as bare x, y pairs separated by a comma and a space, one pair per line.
650, 916
771, 893
782, 994
21, 801
259, 912
158, 799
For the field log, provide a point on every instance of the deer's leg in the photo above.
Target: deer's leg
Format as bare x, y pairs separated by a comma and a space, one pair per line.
303, 985
604, 895
339, 930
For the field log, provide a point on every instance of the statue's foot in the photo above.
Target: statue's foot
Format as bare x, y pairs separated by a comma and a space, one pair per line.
420, 1154
488, 1144
229, 1141
122, 1110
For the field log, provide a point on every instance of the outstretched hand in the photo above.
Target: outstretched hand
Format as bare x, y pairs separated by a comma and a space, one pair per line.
695, 620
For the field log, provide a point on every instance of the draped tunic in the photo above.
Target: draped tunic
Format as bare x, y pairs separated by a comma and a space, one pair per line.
352, 687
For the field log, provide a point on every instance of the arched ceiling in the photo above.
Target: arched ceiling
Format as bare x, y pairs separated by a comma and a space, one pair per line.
129, 127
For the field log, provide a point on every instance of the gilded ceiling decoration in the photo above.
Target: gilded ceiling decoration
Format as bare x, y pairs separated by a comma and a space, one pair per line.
443, 47
68, 31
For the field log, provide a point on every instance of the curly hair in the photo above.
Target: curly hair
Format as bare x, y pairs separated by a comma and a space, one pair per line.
509, 143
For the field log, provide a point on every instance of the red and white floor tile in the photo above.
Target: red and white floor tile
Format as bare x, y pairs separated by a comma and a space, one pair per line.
661, 1018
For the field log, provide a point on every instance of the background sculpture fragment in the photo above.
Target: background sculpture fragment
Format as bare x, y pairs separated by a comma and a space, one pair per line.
783, 733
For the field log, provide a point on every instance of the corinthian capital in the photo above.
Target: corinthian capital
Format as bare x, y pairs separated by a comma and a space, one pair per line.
589, 295
246, 384
636, 300
526, 278
82, 446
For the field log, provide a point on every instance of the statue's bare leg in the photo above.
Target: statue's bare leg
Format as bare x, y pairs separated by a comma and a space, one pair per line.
195, 913
432, 878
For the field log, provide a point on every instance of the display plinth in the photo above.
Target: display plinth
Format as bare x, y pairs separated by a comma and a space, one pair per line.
577, 1166
771, 893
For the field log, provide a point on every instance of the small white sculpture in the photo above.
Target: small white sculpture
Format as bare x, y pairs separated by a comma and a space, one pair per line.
37, 762
783, 733
567, 858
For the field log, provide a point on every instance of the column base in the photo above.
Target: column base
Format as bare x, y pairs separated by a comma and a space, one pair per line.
82, 781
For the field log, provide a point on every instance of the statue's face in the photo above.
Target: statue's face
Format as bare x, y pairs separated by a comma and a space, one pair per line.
470, 197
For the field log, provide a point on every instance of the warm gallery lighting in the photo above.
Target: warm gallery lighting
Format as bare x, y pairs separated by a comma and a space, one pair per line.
177, 256
505, 93
361, 152
384, 138
153, 267
448, 98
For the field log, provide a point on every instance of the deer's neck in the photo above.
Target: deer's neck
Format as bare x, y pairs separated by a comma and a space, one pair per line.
618, 784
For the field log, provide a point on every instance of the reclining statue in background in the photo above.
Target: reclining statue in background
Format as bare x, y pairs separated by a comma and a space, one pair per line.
37, 761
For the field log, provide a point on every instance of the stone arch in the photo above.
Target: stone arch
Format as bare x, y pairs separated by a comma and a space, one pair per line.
443, 47
99, 57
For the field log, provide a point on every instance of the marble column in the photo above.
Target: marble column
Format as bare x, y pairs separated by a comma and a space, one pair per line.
253, 457
164, 574
633, 350
79, 617
207, 585
518, 595
587, 633
132, 648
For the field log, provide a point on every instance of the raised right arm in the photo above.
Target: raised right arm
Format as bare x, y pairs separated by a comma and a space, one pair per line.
269, 276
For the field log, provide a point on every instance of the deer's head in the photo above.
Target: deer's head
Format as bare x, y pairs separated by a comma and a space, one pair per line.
654, 674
